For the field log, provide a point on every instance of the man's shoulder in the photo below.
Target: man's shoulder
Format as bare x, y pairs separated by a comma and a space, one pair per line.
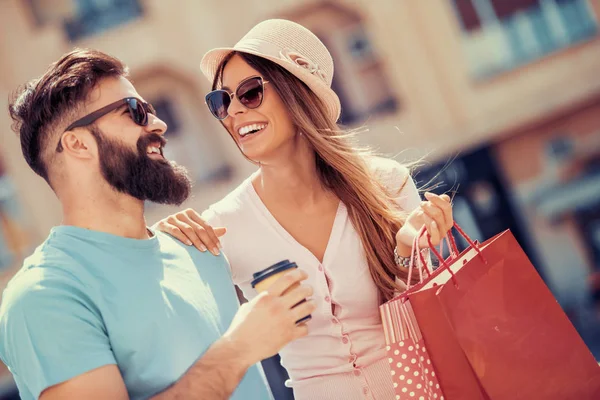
37, 281
175, 248
46, 272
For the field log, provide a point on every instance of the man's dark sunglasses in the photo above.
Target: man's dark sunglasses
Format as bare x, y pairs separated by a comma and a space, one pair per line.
138, 110
250, 93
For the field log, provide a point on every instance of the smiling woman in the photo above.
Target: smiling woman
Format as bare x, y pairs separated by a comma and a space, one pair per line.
318, 199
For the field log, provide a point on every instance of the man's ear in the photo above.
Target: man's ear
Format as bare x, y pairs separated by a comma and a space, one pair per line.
78, 143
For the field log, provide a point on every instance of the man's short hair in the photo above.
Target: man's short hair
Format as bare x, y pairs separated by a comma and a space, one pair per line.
41, 105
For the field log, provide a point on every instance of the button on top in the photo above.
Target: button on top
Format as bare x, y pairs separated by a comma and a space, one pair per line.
327, 299
320, 268
356, 372
345, 339
365, 390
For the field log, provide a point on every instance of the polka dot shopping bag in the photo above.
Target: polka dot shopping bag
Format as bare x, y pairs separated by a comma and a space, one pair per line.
412, 372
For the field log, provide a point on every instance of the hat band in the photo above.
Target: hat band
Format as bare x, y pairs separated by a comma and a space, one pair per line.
258, 46
289, 55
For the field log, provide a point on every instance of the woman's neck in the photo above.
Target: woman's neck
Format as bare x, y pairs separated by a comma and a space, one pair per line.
292, 178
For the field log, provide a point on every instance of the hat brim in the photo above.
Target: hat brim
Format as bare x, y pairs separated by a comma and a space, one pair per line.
213, 58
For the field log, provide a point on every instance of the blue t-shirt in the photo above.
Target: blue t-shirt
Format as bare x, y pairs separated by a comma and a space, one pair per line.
86, 299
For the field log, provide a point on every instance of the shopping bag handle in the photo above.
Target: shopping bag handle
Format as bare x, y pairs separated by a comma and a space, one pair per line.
451, 245
416, 254
452, 248
451, 238
413, 252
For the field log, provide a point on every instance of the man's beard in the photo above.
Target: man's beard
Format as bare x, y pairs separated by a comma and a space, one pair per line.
136, 174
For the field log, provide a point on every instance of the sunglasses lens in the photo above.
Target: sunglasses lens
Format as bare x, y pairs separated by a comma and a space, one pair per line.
218, 102
250, 93
138, 112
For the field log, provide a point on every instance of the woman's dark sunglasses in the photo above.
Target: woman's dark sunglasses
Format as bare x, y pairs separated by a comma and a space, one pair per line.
250, 93
138, 110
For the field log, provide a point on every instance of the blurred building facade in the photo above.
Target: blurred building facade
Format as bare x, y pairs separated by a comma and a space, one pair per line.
508, 90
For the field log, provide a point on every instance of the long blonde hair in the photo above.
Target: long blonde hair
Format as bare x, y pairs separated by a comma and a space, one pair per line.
343, 168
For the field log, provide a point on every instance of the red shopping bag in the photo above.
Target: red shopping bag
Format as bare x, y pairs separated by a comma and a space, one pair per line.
498, 312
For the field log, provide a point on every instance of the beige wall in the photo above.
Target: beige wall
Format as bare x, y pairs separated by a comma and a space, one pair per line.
454, 110
523, 157
442, 109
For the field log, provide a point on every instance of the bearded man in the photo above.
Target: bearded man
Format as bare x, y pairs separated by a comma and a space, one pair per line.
107, 308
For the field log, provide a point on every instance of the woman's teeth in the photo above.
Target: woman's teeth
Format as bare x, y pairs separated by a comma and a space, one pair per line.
244, 130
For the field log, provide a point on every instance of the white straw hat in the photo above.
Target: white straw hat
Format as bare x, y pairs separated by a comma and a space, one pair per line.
291, 46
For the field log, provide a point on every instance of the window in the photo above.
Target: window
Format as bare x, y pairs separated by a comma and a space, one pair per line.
501, 34
95, 16
82, 18
561, 148
359, 46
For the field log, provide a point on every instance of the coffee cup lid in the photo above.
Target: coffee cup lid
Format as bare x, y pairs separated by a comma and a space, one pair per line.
272, 270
